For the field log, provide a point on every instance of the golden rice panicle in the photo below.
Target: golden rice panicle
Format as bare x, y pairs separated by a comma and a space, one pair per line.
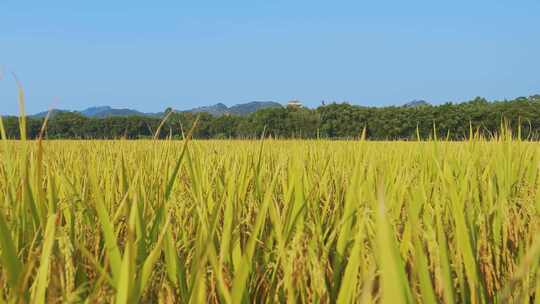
270, 221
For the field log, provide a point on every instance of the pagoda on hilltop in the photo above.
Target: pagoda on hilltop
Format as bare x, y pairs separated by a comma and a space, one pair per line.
294, 104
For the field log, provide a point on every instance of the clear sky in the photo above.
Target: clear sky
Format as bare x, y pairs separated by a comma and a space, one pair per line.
148, 55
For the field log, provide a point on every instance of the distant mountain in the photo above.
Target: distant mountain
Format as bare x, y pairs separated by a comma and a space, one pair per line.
43, 114
216, 110
106, 111
417, 103
239, 109
250, 107
97, 112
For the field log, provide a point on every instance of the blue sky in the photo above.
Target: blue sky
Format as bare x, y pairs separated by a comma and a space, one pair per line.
153, 54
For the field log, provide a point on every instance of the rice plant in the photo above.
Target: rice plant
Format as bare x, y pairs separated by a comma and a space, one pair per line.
269, 221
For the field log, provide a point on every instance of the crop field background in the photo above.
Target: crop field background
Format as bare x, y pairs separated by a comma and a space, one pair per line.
269, 221
238, 152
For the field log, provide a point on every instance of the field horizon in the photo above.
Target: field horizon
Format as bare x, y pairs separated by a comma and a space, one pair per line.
241, 221
238, 152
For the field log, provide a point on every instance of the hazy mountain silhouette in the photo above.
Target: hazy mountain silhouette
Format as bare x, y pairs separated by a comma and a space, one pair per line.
216, 110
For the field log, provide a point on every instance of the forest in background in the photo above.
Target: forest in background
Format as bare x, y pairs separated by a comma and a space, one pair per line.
334, 121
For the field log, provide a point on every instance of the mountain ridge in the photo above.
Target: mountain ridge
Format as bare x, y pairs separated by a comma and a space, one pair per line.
416, 103
218, 109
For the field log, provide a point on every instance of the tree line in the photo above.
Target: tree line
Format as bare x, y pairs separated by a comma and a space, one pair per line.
335, 120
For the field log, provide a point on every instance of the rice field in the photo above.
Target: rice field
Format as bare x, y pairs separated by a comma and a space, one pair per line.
268, 221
